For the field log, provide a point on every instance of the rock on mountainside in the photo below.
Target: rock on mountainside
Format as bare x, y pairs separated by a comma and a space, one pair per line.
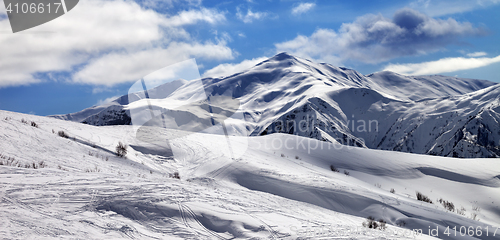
436, 115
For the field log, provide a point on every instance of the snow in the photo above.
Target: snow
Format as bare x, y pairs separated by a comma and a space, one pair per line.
435, 115
273, 186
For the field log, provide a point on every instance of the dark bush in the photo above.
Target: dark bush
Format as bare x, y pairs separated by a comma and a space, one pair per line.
392, 190
333, 168
175, 175
62, 134
371, 223
121, 149
346, 173
382, 223
423, 198
447, 205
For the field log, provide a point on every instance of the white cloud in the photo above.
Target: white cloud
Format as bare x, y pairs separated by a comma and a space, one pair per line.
302, 8
477, 54
228, 69
250, 16
194, 16
95, 30
444, 65
447, 7
126, 67
107, 100
169, 3
374, 38
321, 46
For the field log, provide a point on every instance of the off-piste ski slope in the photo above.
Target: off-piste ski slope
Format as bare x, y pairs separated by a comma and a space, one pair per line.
277, 186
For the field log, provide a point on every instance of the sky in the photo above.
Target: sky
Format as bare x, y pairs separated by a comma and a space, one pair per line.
96, 51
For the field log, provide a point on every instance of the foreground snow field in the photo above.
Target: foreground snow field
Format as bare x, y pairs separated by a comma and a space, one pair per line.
278, 186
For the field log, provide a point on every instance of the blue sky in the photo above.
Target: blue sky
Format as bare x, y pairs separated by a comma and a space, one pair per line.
97, 50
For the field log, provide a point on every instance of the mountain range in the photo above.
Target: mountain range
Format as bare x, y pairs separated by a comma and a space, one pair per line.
435, 115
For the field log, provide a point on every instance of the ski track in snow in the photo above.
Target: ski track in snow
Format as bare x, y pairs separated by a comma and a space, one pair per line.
260, 195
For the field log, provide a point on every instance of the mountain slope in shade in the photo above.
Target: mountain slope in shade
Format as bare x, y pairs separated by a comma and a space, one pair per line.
384, 110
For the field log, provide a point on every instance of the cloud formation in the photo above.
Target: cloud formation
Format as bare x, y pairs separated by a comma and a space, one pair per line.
126, 67
444, 65
81, 43
302, 8
374, 38
107, 100
228, 69
447, 7
477, 54
250, 16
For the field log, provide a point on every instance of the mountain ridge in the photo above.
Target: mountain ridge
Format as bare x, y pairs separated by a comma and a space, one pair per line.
280, 88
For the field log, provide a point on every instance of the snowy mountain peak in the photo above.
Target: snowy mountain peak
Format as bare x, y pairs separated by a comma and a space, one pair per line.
417, 114
282, 56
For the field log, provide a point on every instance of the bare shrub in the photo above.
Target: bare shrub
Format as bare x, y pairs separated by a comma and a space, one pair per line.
392, 190
346, 173
62, 134
121, 149
371, 223
9, 161
42, 164
382, 223
62, 168
95, 169
35, 165
282, 155
333, 168
475, 212
423, 198
461, 211
447, 205
33, 124
175, 175
24, 121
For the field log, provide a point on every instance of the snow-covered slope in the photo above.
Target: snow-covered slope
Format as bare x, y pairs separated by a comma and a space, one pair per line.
384, 110
415, 88
460, 126
281, 187
113, 113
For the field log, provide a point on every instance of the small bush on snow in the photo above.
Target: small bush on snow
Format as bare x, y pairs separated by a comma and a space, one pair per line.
62, 134
423, 198
121, 149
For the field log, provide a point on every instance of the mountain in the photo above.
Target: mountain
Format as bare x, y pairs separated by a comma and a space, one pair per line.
114, 113
435, 115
